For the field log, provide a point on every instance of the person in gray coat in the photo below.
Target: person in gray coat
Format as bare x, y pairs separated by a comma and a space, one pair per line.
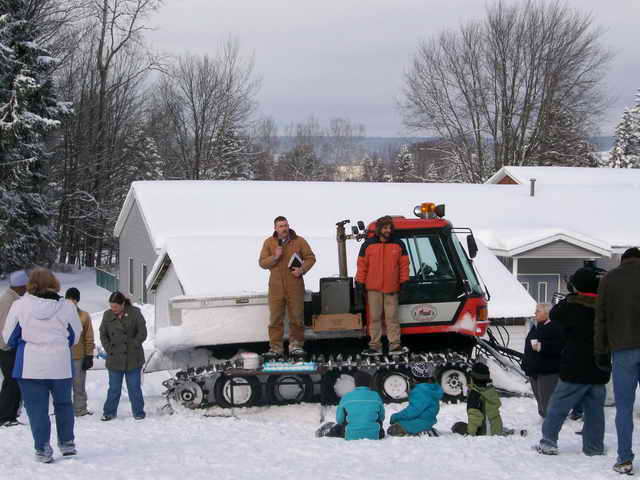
122, 333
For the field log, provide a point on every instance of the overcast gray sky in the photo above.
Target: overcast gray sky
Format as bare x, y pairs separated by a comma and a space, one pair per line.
345, 58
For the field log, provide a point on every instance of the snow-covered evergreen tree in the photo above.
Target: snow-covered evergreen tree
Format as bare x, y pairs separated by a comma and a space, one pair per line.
373, 169
302, 164
404, 166
626, 148
29, 108
233, 158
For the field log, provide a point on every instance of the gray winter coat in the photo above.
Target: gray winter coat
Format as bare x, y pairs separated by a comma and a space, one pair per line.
122, 339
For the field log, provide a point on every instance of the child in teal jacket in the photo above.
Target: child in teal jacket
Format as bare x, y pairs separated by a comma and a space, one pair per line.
359, 414
424, 404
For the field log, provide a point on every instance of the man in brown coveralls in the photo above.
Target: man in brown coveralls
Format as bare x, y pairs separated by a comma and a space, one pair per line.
286, 286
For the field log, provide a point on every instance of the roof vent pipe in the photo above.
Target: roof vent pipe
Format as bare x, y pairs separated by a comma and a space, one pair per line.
532, 192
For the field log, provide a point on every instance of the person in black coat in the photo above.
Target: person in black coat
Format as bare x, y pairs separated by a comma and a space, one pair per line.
581, 380
542, 354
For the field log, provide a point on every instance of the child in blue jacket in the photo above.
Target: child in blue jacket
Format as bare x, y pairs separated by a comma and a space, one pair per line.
424, 404
359, 414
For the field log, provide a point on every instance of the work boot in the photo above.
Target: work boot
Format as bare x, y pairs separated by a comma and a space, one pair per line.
545, 449
296, 352
625, 468
370, 352
399, 351
45, 455
67, 449
272, 355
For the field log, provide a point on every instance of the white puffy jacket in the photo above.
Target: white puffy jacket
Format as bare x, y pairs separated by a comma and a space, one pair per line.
43, 331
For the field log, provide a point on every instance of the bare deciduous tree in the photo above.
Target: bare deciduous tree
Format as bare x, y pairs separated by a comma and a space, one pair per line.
208, 100
487, 88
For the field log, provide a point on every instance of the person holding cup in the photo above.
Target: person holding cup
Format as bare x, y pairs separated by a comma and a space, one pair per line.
542, 355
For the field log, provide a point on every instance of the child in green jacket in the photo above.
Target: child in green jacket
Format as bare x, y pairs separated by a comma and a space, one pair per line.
483, 407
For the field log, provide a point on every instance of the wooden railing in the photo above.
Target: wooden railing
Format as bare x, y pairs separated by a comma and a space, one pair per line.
107, 280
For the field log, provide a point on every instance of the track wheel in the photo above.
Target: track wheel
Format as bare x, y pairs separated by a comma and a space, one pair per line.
246, 391
188, 394
453, 380
336, 384
393, 384
286, 389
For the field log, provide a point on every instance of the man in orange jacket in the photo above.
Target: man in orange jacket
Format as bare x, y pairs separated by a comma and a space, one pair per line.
383, 266
286, 287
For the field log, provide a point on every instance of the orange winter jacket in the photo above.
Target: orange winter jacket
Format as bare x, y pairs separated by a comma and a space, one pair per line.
383, 266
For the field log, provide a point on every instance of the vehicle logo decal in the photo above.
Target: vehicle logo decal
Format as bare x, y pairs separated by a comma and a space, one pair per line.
424, 313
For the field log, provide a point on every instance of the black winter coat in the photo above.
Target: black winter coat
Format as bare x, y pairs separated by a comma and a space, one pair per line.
547, 361
122, 339
576, 314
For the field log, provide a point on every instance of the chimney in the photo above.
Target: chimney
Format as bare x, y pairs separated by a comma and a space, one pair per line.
532, 192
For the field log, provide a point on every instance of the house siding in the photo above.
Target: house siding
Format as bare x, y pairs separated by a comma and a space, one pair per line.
135, 243
560, 249
168, 288
507, 180
565, 267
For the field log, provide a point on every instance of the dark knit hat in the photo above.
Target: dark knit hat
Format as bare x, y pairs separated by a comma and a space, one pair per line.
72, 294
480, 372
587, 279
362, 379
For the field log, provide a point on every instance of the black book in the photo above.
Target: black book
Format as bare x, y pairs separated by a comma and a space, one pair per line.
295, 261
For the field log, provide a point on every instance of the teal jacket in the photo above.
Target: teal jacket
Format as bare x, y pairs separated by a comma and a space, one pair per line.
362, 412
423, 408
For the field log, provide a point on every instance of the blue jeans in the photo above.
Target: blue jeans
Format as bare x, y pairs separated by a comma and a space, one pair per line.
626, 374
564, 398
35, 395
134, 387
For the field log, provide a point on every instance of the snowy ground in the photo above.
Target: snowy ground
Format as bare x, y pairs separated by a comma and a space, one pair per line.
279, 442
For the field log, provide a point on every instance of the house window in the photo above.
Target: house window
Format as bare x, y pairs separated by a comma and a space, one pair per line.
131, 284
542, 292
143, 286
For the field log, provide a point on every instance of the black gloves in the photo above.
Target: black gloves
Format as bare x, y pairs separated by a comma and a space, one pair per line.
87, 362
360, 288
603, 361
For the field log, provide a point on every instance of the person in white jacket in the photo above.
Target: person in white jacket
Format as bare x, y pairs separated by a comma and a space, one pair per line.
42, 327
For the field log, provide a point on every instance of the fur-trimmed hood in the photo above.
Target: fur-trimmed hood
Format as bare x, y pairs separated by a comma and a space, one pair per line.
588, 301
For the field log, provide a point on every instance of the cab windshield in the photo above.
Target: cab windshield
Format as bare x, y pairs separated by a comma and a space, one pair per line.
432, 277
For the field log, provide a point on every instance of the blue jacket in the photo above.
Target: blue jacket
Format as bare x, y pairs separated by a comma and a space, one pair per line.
423, 408
362, 412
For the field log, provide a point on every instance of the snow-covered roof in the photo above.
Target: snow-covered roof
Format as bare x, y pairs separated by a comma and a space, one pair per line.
228, 266
569, 176
602, 215
212, 230
512, 242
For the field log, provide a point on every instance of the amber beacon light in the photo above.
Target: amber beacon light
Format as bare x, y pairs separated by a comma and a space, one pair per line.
429, 210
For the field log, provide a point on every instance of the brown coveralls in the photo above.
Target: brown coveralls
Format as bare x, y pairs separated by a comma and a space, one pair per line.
285, 290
